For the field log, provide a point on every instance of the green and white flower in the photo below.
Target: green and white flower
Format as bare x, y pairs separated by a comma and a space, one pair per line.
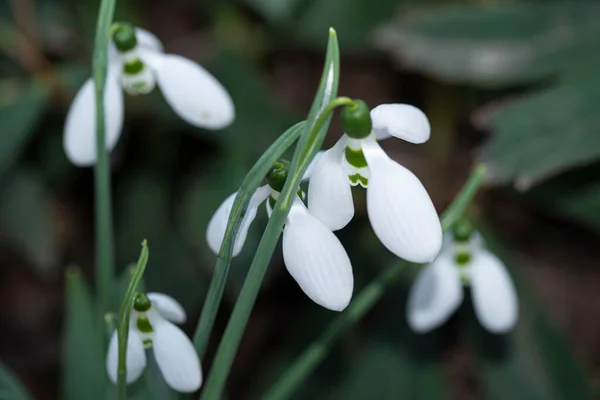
137, 64
151, 325
400, 210
313, 255
438, 290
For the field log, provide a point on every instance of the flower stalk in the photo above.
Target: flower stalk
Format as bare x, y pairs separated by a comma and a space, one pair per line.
105, 263
238, 210
309, 143
124, 316
363, 302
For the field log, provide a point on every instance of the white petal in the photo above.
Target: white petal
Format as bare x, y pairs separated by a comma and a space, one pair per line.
168, 307
493, 292
400, 210
147, 40
311, 167
79, 139
317, 260
434, 296
402, 121
136, 357
194, 94
218, 223
329, 192
176, 357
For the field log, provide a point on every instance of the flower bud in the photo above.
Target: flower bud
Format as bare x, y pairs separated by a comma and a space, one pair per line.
356, 120
123, 35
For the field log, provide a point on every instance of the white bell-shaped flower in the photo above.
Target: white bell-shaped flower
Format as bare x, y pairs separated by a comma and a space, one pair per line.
137, 64
438, 290
312, 253
399, 208
151, 325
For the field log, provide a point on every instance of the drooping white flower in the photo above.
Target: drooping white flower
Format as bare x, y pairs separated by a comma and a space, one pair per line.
438, 290
399, 208
312, 253
151, 325
137, 64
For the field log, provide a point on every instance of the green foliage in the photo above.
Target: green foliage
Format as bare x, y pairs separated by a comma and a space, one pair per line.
20, 111
25, 216
499, 43
84, 374
538, 135
354, 20
10, 387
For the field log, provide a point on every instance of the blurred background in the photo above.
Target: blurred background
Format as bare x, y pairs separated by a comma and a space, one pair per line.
512, 84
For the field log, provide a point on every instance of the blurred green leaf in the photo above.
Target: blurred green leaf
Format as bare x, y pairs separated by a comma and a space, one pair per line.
25, 216
10, 387
142, 211
543, 134
19, 115
259, 119
354, 21
84, 373
535, 359
499, 42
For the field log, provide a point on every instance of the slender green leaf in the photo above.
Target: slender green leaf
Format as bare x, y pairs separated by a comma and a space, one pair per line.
124, 319
84, 370
310, 141
103, 218
19, 115
10, 387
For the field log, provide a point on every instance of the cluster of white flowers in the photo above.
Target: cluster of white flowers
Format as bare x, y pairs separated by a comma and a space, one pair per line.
400, 210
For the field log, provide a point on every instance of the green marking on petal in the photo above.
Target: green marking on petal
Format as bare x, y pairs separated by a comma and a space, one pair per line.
358, 179
133, 67
462, 258
356, 158
143, 325
147, 342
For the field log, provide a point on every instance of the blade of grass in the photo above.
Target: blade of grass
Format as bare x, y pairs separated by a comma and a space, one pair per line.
105, 268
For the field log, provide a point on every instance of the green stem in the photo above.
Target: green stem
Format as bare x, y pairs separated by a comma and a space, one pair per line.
243, 307
124, 316
105, 268
362, 303
251, 182
309, 142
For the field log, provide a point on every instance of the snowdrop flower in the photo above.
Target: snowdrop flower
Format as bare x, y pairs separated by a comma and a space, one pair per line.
438, 292
313, 255
151, 326
399, 208
136, 64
